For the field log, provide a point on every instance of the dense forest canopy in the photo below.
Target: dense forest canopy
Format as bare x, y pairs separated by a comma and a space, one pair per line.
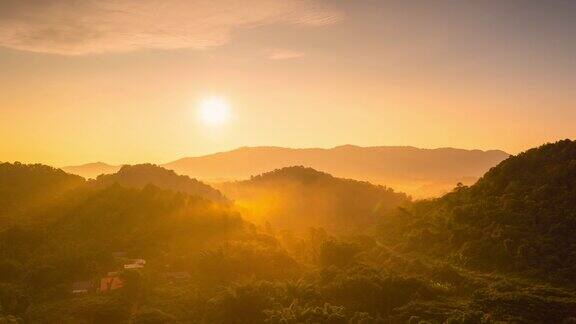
145, 245
520, 216
24, 187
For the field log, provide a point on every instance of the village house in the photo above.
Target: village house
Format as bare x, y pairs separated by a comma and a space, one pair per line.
111, 282
134, 264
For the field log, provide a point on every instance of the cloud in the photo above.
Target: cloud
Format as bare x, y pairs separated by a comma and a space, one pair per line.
283, 54
72, 27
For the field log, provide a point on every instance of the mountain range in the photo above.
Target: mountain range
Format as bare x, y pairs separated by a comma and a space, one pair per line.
419, 172
498, 251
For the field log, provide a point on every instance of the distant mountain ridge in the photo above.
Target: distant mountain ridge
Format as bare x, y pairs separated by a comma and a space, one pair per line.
92, 170
403, 168
420, 172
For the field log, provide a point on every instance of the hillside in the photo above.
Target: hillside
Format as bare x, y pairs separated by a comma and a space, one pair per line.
299, 197
519, 217
138, 176
92, 170
420, 172
91, 234
23, 187
500, 251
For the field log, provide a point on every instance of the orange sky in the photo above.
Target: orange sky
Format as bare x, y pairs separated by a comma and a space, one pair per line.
119, 80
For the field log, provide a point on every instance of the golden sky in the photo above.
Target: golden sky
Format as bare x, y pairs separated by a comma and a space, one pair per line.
120, 81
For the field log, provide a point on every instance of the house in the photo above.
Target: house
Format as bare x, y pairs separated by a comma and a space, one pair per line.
111, 282
81, 287
138, 261
134, 264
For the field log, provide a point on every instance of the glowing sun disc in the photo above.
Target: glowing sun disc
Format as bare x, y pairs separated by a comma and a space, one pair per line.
214, 111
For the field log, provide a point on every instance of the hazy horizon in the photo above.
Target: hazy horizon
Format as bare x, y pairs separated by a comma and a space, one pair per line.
422, 173
93, 81
265, 146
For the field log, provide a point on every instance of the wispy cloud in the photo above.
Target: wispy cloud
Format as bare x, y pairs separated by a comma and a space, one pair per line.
72, 27
283, 54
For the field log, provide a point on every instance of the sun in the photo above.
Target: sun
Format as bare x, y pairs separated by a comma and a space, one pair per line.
214, 111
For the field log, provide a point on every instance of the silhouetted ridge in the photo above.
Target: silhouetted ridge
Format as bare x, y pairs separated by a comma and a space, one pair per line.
24, 186
550, 165
139, 176
297, 173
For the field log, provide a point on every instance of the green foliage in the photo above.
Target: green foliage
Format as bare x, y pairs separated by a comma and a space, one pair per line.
26, 187
152, 316
241, 304
10, 320
339, 254
139, 176
371, 290
519, 217
295, 313
246, 258
430, 261
526, 306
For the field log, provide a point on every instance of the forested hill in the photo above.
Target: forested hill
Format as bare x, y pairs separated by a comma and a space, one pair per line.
119, 249
24, 186
96, 231
299, 197
520, 216
138, 176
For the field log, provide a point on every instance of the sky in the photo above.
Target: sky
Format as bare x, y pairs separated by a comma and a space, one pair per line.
122, 81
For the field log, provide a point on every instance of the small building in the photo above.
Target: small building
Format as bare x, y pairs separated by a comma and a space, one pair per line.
81, 287
134, 264
110, 282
